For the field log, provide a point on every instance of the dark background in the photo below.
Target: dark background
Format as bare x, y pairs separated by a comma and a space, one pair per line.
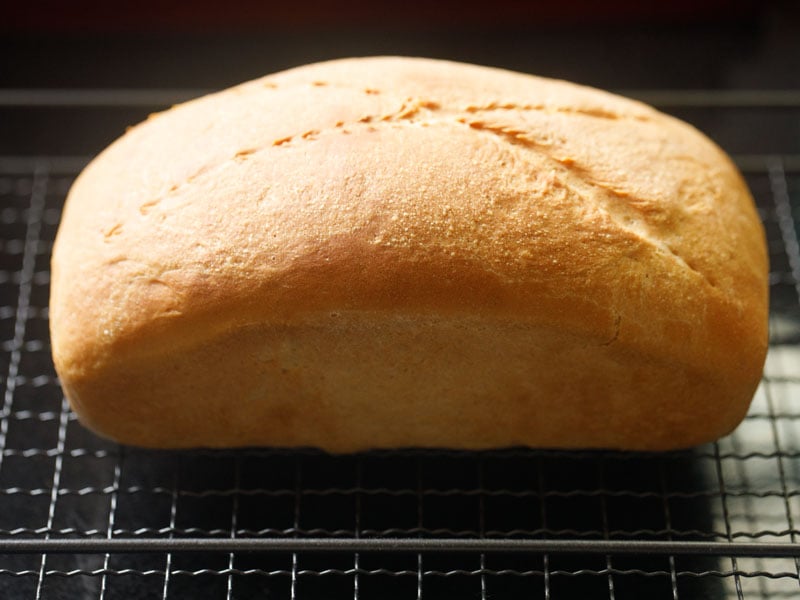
183, 49
706, 43
74, 75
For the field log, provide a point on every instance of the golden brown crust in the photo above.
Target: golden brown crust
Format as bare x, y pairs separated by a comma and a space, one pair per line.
429, 192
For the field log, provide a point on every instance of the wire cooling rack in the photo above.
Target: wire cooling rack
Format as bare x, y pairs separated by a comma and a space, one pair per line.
81, 517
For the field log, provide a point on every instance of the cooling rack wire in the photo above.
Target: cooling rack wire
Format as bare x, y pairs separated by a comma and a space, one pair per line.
82, 517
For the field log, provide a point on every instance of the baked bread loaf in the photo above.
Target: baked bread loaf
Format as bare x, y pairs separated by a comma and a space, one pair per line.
395, 252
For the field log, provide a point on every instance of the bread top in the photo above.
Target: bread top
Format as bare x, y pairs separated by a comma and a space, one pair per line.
418, 187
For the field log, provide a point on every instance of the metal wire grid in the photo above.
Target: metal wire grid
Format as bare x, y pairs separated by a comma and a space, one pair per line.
61, 484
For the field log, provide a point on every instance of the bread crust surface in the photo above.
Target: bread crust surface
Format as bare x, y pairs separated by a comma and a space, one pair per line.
390, 252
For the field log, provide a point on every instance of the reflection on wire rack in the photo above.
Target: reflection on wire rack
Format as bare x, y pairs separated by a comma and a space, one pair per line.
83, 517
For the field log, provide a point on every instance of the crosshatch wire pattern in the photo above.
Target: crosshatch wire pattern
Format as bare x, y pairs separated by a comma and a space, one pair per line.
58, 481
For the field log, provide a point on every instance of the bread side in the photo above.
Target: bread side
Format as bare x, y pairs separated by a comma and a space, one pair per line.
410, 196
354, 381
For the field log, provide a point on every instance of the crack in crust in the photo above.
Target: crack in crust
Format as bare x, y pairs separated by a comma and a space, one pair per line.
615, 336
598, 113
624, 214
410, 108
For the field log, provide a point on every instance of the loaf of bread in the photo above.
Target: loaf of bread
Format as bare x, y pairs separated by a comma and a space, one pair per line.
396, 252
